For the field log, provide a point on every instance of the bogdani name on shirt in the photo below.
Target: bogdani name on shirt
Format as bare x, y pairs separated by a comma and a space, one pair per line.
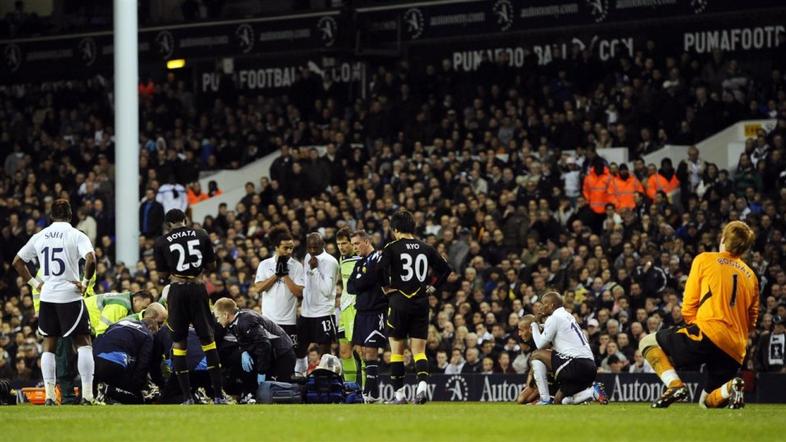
184, 234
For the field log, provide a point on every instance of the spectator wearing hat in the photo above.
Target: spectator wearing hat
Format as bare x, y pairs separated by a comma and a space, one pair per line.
772, 347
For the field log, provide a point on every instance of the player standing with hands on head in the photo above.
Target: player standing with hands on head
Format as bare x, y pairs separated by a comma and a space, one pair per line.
405, 266
317, 324
62, 313
720, 307
185, 253
280, 283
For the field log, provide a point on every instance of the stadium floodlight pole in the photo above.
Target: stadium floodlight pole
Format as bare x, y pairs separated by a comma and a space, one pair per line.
126, 132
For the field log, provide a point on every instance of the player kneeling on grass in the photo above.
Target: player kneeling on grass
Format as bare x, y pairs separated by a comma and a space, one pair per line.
529, 394
720, 307
123, 355
265, 349
570, 358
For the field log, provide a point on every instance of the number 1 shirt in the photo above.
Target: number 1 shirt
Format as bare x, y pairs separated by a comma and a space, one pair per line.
722, 298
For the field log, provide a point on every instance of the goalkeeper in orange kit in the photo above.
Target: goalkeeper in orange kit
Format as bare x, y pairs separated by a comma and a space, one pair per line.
720, 307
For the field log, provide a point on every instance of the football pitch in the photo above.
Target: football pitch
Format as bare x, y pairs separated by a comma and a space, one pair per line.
478, 422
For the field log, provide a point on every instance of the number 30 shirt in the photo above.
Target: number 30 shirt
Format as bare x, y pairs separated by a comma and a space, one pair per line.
58, 248
405, 266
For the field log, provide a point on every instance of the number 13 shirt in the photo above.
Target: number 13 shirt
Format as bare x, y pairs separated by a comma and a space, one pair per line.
58, 248
722, 298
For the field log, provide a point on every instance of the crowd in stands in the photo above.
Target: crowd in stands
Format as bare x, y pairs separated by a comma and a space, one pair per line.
477, 157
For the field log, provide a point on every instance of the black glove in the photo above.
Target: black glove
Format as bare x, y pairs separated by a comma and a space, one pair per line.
282, 266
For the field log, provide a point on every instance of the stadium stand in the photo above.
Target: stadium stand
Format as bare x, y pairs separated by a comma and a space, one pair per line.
477, 157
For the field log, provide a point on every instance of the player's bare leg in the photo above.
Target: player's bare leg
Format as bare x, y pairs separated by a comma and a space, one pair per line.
48, 369
731, 393
421, 368
397, 370
540, 362
86, 367
675, 388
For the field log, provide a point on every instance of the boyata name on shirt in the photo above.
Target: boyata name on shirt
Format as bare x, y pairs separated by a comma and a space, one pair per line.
184, 234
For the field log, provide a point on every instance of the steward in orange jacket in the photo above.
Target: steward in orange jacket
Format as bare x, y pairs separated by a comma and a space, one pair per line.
623, 189
665, 180
596, 187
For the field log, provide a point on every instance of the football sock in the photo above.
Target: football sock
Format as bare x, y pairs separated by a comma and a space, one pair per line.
181, 372
360, 365
371, 386
397, 371
580, 397
86, 367
213, 368
662, 366
49, 373
421, 367
719, 397
350, 369
540, 373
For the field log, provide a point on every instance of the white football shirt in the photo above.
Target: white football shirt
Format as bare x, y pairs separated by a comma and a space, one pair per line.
319, 293
565, 335
58, 248
278, 302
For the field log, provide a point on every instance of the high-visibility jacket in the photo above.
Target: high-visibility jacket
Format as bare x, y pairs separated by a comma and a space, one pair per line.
107, 309
658, 182
596, 190
622, 193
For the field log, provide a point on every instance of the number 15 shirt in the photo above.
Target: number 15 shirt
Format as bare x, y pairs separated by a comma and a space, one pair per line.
722, 298
58, 248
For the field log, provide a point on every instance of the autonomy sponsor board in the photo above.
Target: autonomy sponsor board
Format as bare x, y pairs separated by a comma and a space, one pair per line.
623, 387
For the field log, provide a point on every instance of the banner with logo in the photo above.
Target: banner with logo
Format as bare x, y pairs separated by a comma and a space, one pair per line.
255, 75
469, 29
254, 37
466, 56
624, 387
422, 21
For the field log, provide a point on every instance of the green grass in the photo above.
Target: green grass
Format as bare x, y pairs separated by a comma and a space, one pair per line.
477, 422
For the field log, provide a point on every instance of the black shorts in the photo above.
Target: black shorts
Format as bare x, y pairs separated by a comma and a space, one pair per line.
408, 323
573, 374
369, 330
188, 304
291, 330
320, 330
688, 349
61, 320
